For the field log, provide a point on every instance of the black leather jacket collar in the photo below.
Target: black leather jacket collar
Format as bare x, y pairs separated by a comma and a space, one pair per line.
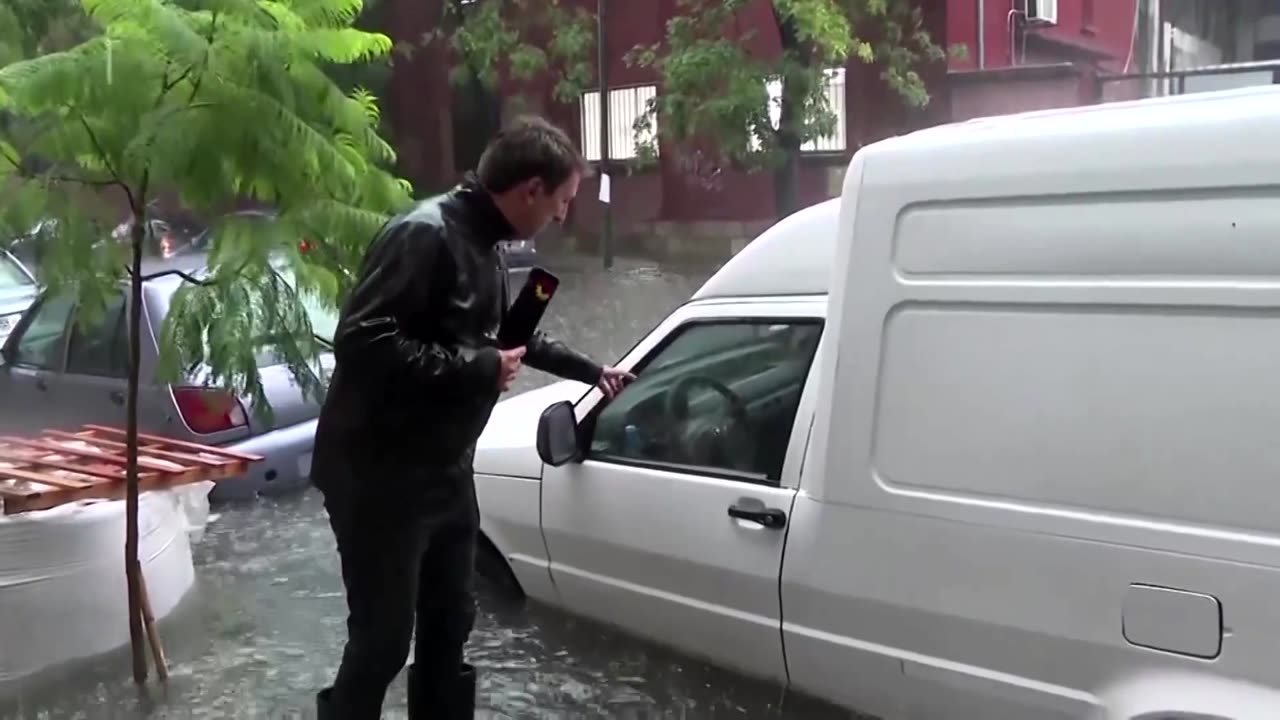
483, 216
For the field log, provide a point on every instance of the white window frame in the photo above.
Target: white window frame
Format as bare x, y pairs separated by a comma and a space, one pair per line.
626, 106
837, 141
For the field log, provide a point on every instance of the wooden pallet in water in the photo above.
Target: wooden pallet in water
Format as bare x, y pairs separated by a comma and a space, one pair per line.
60, 467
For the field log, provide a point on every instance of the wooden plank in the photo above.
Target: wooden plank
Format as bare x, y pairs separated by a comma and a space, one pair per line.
103, 471
144, 451
49, 479
99, 491
55, 448
168, 442
14, 501
9, 492
99, 461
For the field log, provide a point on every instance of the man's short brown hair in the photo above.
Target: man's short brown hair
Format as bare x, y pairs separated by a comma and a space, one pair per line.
530, 147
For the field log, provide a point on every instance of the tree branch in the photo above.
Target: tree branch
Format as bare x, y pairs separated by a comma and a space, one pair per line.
168, 84
193, 106
16, 165
23, 172
140, 211
106, 160
185, 276
204, 64
87, 182
137, 204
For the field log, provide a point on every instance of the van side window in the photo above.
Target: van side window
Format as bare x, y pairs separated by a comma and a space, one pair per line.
97, 346
718, 398
44, 341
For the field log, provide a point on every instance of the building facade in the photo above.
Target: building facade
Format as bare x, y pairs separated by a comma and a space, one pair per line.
1017, 55
1040, 54
1203, 45
1033, 54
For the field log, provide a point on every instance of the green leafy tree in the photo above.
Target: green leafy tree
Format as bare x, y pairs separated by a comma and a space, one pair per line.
374, 75
32, 27
715, 91
522, 39
487, 42
29, 28
216, 101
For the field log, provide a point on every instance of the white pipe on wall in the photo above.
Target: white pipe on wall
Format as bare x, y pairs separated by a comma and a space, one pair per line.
982, 34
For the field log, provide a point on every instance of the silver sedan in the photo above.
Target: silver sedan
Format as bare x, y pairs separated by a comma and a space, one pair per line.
56, 373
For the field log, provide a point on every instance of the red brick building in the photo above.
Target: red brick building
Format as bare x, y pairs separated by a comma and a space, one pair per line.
1039, 54
1033, 54
439, 130
1019, 55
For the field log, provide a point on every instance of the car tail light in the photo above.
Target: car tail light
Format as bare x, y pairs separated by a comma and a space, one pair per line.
207, 411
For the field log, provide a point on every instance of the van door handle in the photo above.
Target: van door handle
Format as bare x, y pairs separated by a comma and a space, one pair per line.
772, 518
41, 385
117, 397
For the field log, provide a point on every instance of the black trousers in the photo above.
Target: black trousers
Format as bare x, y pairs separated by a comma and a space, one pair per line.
407, 546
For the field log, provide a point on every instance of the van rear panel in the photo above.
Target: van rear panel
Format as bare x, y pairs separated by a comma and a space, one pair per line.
1048, 476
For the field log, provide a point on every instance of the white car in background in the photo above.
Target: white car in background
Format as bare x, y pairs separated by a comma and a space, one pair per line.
18, 289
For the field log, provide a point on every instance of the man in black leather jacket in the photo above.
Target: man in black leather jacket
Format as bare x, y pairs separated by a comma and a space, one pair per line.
418, 373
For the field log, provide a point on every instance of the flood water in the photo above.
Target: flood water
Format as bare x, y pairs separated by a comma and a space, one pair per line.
264, 627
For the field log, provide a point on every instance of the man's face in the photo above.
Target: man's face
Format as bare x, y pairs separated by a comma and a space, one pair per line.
544, 207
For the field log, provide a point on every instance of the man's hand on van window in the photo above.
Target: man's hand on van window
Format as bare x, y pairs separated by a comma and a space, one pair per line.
612, 380
510, 367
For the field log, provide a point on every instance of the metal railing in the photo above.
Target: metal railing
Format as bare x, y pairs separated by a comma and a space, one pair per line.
1134, 86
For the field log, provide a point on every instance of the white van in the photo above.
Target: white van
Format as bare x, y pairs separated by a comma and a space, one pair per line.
996, 435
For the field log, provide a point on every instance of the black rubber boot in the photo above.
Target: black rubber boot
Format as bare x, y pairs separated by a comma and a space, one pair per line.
436, 698
324, 705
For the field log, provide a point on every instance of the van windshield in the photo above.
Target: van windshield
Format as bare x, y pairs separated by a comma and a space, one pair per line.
324, 319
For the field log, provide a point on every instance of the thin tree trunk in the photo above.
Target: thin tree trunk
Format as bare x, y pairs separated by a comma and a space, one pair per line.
786, 176
133, 569
786, 183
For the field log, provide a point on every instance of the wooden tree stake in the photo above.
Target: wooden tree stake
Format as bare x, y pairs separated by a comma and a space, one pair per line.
153, 635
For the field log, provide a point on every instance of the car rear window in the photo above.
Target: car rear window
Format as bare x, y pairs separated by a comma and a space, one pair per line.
323, 317
12, 276
324, 320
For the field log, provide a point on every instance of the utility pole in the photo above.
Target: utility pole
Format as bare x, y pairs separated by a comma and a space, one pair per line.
606, 189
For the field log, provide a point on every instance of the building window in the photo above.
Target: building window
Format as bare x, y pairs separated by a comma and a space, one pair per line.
1086, 14
626, 105
835, 91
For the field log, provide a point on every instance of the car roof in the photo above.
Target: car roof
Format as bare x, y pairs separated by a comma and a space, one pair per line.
167, 273
793, 257
190, 263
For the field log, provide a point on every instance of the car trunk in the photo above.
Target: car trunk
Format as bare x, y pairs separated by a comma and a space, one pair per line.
284, 395
208, 414
289, 406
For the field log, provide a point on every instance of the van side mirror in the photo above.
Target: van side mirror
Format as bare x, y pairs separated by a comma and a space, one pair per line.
558, 435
